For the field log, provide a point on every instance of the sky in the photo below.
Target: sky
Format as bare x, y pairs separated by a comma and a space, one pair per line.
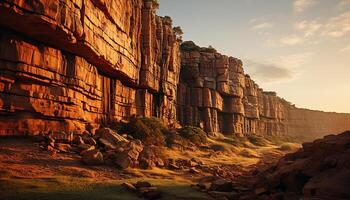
298, 48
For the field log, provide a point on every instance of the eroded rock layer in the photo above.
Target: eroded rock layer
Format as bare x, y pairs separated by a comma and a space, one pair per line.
71, 63
65, 64
215, 93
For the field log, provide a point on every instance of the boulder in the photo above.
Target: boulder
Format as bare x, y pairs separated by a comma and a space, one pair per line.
143, 184
150, 193
84, 147
93, 157
90, 141
63, 147
109, 139
222, 185
130, 187
148, 158
123, 161
78, 140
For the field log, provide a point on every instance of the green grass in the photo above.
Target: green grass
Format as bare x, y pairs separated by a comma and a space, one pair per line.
289, 147
258, 140
65, 188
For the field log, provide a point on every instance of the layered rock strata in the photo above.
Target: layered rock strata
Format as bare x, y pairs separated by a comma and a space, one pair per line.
65, 64
71, 63
215, 93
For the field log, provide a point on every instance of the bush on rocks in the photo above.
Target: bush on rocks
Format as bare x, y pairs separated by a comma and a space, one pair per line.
149, 130
196, 135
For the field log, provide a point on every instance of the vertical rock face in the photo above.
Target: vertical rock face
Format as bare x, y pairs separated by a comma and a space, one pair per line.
216, 94
71, 63
65, 64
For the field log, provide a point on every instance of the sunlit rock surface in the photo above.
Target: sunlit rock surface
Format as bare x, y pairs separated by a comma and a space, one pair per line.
68, 64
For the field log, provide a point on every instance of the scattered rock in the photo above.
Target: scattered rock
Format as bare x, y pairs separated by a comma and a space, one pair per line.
130, 187
143, 184
78, 140
194, 171
221, 185
320, 169
93, 157
84, 147
260, 190
90, 141
109, 135
122, 160
63, 147
147, 158
150, 193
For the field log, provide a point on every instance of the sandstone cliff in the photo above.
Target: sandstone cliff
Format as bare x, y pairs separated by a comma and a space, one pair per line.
71, 63
65, 64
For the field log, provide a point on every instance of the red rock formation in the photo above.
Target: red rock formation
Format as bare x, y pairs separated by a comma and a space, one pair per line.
65, 64
214, 93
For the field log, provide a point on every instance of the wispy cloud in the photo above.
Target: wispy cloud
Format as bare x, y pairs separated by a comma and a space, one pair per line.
302, 5
345, 49
343, 5
263, 25
268, 72
291, 40
337, 26
282, 68
309, 28
314, 31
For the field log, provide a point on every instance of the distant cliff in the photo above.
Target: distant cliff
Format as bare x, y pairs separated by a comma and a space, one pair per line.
72, 63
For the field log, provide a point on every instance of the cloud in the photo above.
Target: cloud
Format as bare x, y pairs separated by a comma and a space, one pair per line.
309, 28
343, 5
302, 5
268, 72
291, 40
345, 49
314, 31
278, 69
337, 26
293, 61
263, 25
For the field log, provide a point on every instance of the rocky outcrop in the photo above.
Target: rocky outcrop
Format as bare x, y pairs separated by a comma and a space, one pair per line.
66, 64
216, 94
72, 65
320, 169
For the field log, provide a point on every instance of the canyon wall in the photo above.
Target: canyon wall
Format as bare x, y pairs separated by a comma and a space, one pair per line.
214, 93
68, 64
71, 64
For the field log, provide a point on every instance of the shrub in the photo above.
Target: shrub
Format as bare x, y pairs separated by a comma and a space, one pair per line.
257, 140
209, 49
155, 3
218, 147
248, 153
196, 135
189, 46
149, 130
288, 147
167, 20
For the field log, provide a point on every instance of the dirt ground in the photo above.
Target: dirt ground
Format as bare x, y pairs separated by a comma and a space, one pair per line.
33, 173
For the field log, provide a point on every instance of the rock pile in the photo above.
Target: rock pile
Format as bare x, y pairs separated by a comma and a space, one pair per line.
320, 170
104, 147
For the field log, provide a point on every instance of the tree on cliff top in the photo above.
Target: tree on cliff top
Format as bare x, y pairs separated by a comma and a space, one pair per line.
209, 49
178, 32
189, 46
167, 20
155, 3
